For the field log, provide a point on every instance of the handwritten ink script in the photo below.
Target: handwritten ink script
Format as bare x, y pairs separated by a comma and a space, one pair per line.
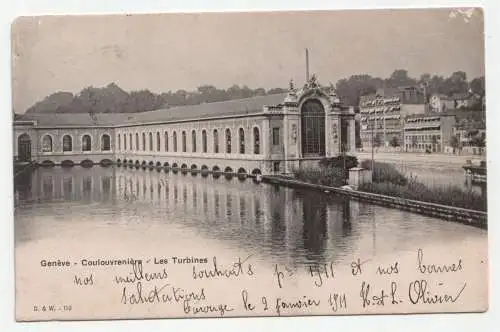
172, 286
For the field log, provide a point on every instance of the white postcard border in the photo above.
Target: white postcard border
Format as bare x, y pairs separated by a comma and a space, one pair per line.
449, 322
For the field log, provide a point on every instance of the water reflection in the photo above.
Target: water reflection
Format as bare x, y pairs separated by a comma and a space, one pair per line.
275, 222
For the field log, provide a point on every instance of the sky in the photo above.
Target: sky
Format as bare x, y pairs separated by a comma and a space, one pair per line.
163, 52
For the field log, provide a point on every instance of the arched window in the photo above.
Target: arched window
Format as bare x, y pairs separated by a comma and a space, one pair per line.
136, 141
228, 140
166, 141
143, 142
47, 143
313, 128
125, 142
204, 141
241, 137
105, 143
86, 143
150, 142
256, 140
130, 141
193, 140
119, 142
174, 137
24, 147
184, 141
216, 141
158, 141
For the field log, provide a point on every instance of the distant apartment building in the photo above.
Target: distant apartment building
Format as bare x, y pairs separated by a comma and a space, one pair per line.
382, 115
470, 132
428, 132
455, 131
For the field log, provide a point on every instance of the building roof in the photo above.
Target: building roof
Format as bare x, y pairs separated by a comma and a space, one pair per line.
179, 113
389, 92
73, 119
464, 118
427, 115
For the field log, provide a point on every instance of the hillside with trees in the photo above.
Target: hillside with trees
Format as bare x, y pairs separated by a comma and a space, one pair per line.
112, 98
351, 89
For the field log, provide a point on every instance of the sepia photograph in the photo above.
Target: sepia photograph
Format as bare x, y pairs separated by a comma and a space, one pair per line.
243, 164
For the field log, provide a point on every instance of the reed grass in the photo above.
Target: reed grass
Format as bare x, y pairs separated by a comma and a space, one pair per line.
321, 175
389, 181
445, 195
385, 172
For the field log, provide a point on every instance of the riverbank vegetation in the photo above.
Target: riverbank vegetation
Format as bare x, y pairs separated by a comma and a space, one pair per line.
385, 172
330, 172
389, 181
320, 175
447, 195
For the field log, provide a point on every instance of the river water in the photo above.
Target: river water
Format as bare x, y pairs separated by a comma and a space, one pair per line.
296, 227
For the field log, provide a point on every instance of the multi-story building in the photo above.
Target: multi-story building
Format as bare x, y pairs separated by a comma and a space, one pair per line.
428, 132
381, 116
263, 134
470, 132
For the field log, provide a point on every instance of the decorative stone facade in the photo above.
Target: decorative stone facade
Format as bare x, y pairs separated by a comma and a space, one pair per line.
306, 125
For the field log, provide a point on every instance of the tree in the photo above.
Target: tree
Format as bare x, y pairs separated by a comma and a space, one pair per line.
479, 141
456, 83
338, 162
477, 85
275, 91
112, 98
394, 141
471, 133
350, 90
458, 76
424, 78
259, 92
400, 78
435, 84
342, 162
377, 140
454, 143
414, 141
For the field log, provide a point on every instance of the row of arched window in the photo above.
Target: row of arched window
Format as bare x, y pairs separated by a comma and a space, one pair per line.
129, 141
67, 143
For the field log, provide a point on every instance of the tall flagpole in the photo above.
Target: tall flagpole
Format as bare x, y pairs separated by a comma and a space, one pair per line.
307, 65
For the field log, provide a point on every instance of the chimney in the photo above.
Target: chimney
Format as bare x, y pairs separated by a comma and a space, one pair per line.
307, 65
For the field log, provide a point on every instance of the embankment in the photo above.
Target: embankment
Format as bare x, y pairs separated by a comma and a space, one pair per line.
465, 216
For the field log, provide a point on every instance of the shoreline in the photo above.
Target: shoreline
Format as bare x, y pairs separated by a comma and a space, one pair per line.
417, 159
464, 216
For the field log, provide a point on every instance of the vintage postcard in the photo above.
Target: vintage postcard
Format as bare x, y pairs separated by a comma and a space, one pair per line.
249, 164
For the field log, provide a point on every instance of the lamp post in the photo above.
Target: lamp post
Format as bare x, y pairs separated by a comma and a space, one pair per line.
365, 127
343, 160
373, 155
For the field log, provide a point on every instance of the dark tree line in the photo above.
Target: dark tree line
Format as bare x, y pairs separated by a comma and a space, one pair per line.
352, 88
112, 98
